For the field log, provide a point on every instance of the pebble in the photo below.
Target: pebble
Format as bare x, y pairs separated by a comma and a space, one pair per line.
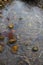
2, 37
10, 26
35, 49
11, 41
14, 49
10, 35
1, 48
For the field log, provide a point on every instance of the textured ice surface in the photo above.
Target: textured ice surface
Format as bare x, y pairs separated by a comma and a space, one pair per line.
29, 31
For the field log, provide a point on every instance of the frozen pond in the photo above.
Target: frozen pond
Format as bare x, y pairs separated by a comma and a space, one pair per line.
28, 22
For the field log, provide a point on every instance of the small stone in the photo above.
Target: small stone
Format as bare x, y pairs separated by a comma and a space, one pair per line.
1, 5
11, 41
10, 35
1, 48
10, 26
14, 49
1, 37
35, 49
